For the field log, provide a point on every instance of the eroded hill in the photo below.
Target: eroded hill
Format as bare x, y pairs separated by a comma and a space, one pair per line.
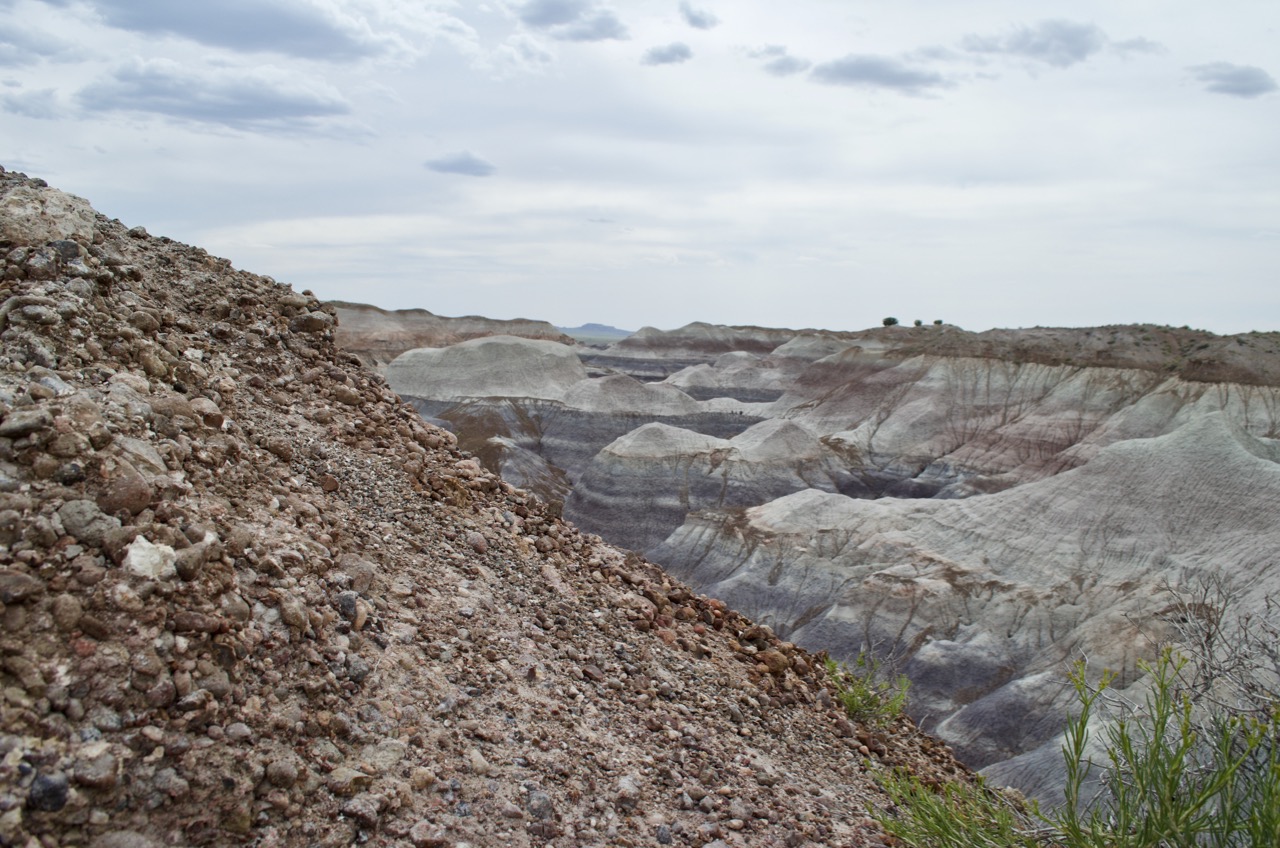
979, 508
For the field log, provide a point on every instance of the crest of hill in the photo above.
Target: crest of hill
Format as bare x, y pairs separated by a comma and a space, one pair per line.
1195, 355
702, 338
378, 336
251, 598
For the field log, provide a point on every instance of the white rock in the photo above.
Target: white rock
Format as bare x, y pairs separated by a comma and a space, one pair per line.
155, 562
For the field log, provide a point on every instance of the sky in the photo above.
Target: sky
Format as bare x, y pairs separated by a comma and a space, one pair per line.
816, 163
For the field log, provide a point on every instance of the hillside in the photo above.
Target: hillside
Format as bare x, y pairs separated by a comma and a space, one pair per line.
978, 508
250, 597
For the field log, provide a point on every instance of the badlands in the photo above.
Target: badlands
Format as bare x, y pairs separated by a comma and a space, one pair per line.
980, 510
249, 597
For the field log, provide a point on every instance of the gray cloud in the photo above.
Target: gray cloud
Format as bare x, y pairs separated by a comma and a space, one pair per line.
1055, 42
670, 54
1138, 45
464, 162
877, 72
697, 18
1235, 80
572, 20
25, 46
779, 63
261, 98
278, 26
785, 66
42, 104
549, 13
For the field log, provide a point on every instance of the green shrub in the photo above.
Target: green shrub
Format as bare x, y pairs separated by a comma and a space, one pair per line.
866, 691
956, 815
889, 322
1173, 778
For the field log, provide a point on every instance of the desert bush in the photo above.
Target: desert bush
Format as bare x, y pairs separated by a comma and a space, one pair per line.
957, 815
867, 691
1195, 765
1171, 778
890, 322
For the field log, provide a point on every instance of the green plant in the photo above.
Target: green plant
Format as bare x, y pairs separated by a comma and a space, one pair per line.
956, 815
918, 323
1172, 778
889, 322
866, 691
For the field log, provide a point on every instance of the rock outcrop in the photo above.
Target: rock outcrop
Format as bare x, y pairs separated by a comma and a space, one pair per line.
250, 597
378, 336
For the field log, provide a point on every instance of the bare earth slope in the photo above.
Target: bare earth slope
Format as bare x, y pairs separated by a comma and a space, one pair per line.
250, 597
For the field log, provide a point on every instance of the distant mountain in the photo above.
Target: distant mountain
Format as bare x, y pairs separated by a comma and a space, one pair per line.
599, 335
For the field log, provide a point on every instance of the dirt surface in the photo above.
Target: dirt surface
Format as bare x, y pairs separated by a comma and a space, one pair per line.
250, 597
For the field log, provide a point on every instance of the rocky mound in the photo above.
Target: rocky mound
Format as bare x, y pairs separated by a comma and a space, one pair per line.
378, 336
250, 597
494, 366
638, 489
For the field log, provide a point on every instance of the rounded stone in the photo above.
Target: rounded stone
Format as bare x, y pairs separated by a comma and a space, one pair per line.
48, 793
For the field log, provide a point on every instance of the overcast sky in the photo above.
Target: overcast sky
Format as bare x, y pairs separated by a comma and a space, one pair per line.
816, 163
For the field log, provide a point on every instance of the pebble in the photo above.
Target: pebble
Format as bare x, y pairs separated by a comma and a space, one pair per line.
154, 562
344, 780
16, 587
239, 732
48, 793
128, 493
539, 805
100, 772
365, 808
282, 773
